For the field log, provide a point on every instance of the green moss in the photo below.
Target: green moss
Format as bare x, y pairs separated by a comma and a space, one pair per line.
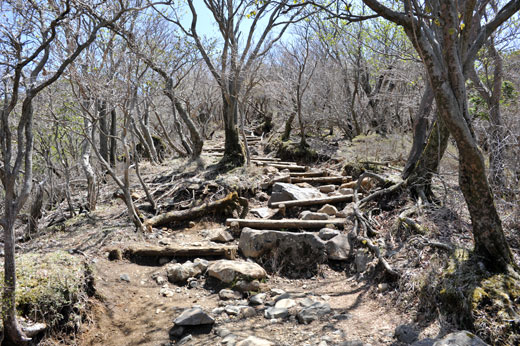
289, 150
479, 300
51, 288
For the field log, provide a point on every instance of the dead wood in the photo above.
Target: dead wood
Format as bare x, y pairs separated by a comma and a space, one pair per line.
316, 201
320, 180
286, 223
290, 167
225, 205
227, 251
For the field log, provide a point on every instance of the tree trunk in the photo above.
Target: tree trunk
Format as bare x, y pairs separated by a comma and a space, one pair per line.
36, 211
233, 151
87, 167
196, 138
113, 137
145, 133
420, 128
103, 129
420, 178
288, 127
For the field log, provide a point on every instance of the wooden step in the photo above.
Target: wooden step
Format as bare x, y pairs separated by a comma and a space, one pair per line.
286, 223
321, 180
290, 167
226, 251
309, 174
315, 201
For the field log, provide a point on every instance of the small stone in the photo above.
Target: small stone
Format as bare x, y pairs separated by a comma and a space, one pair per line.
217, 311
271, 313
285, 303
193, 317
346, 191
160, 280
277, 291
124, 277
166, 292
309, 215
382, 287
313, 312
222, 332
191, 224
406, 333
361, 260
328, 209
227, 294
227, 270
185, 340
254, 341
424, 342
328, 233
327, 188
257, 299
222, 236
232, 310
248, 312
230, 339
284, 295
247, 286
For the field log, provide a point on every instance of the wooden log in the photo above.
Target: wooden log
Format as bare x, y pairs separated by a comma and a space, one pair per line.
227, 251
309, 174
285, 223
227, 204
316, 201
290, 167
321, 180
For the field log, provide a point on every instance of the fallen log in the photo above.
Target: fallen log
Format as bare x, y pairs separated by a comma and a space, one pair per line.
315, 201
321, 180
225, 205
309, 174
226, 251
286, 223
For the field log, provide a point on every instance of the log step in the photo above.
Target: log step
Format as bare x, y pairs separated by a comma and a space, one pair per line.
226, 251
309, 174
286, 223
322, 180
294, 168
316, 201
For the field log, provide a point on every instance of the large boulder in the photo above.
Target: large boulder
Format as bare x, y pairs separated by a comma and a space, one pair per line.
298, 249
226, 270
289, 192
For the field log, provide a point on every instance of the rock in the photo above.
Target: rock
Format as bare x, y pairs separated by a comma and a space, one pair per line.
341, 215
328, 209
309, 215
124, 277
349, 185
264, 212
367, 183
227, 294
230, 340
193, 317
217, 311
182, 272
327, 188
222, 332
406, 333
257, 299
164, 260
382, 287
254, 341
290, 192
247, 286
221, 236
298, 249
227, 270
424, 342
338, 248
344, 191
185, 340
285, 303
270, 170
352, 343
201, 263
33, 329
313, 312
462, 338
176, 331
262, 196
328, 233
166, 292
277, 291
274, 312
361, 260
247, 311
284, 295
232, 310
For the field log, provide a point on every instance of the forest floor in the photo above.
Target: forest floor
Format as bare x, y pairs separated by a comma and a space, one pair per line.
130, 307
